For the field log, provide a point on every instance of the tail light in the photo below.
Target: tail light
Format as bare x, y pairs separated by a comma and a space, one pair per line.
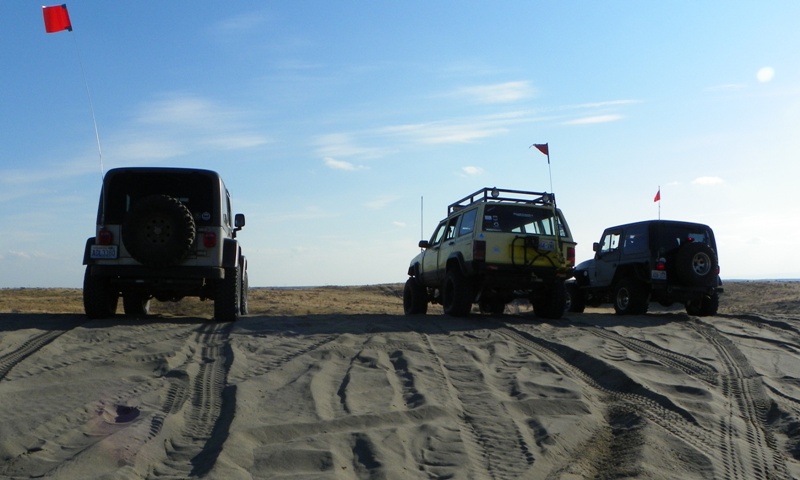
209, 239
571, 255
661, 264
479, 250
104, 237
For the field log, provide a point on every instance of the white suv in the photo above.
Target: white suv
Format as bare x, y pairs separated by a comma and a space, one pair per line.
164, 233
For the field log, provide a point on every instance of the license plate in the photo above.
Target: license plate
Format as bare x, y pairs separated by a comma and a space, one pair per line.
658, 275
547, 245
103, 251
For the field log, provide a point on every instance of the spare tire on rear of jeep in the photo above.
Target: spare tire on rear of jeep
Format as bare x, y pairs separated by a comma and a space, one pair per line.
696, 264
158, 231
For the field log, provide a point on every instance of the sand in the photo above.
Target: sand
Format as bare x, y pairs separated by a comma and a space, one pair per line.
335, 383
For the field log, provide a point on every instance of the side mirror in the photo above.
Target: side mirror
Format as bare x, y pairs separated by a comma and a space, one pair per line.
424, 244
595, 247
238, 223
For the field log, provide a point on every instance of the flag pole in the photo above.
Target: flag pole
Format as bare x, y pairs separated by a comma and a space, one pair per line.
545, 149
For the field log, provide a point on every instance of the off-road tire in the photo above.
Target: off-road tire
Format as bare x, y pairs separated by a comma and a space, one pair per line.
456, 294
136, 304
159, 231
415, 298
552, 303
575, 301
705, 307
100, 299
228, 296
696, 264
244, 307
630, 297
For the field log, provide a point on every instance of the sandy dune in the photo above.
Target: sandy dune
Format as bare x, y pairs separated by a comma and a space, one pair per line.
335, 383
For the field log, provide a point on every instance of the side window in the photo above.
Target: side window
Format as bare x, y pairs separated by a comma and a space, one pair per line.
468, 222
636, 239
450, 230
610, 242
437, 235
227, 219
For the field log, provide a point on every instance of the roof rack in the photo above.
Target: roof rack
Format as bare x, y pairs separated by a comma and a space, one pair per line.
502, 195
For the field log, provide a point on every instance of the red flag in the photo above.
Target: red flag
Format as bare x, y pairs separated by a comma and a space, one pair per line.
658, 196
56, 18
542, 147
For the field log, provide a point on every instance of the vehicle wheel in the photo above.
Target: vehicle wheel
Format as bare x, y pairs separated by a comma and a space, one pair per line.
415, 298
159, 231
456, 294
576, 302
227, 296
630, 298
244, 307
705, 307
553, 303
136, 304
99, 298
696, 264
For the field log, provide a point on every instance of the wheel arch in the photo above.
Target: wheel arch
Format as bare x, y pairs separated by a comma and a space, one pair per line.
456, 261
231, 252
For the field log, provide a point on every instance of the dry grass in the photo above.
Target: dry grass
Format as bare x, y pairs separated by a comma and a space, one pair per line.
745, 296
374, 299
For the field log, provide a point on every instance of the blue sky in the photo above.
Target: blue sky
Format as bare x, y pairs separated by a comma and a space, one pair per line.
329, 121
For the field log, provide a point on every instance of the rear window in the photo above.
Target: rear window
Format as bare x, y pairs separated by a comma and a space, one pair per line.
520, 219
193, 189
673, 236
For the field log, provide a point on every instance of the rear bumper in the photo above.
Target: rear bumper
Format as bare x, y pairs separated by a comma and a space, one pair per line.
516, 277
141, 274
683, 294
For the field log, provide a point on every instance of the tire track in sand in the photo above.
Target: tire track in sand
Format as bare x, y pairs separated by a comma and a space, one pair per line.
207, 404
748, 404
13, 358
656, 408
496, 445
31, 345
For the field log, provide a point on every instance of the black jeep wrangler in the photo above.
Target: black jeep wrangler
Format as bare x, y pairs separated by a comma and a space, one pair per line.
653, 261
164, 233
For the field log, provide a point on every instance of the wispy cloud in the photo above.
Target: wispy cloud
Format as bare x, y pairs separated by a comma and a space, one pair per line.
506, 92
594, 119
607, 103
458, 130
707, 181
381, 202
341, 165
244, 22
472, 171
345, 145
177, 124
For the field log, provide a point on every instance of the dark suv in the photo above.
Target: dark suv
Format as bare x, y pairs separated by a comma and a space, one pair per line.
654, 261
494, 246
164, 233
